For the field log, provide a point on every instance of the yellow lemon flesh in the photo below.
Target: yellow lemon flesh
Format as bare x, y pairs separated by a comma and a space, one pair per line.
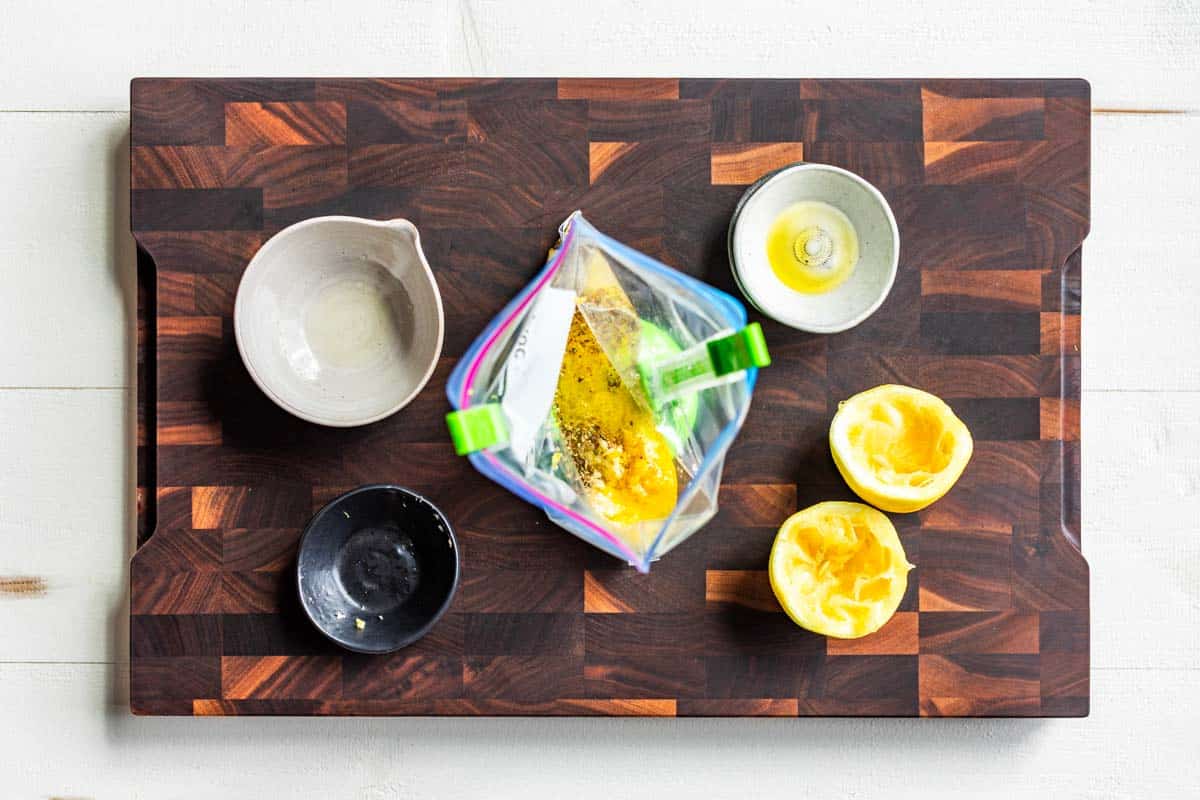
898, 447
839, 569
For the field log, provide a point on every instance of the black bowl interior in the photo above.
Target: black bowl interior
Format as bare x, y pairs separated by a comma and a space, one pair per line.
377, 568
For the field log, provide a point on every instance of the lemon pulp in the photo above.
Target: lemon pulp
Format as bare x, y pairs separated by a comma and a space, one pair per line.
839, 569
812, 247
899, 448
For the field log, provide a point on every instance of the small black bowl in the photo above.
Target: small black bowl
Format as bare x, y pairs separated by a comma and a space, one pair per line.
378, 567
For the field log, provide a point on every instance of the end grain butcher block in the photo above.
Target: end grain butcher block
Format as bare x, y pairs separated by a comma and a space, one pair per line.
989, 183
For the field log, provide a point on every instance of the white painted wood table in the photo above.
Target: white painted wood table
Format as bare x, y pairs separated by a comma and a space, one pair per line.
66, 403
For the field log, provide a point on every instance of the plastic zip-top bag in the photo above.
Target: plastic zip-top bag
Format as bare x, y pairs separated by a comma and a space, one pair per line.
608, 393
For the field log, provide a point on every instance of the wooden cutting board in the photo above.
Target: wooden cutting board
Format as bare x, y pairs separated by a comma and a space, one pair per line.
989, 181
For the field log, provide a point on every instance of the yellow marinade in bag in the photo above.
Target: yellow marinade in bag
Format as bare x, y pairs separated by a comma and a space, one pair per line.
607, 393
626, 467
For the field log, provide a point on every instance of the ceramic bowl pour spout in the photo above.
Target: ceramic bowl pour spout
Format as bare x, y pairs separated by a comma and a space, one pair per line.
339, 319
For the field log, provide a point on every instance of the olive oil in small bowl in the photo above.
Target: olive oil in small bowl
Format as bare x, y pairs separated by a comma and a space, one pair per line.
812, 247
815, 247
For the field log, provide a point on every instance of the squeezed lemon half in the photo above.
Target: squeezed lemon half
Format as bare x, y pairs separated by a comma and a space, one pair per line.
898, 447
839, 569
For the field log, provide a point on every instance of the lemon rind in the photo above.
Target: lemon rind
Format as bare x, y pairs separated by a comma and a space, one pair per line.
889, 497
883, 528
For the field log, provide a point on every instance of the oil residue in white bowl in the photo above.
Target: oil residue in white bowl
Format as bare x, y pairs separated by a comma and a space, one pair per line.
812, 247
353, 323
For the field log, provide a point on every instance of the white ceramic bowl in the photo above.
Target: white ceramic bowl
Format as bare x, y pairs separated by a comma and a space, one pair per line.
878, 246
339, 319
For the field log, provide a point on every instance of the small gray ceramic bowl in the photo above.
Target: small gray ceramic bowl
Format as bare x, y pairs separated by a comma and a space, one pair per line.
878, 245
339, 319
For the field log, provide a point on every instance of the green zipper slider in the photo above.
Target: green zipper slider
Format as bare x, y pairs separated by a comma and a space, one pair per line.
703, 365
477, 428
740, 350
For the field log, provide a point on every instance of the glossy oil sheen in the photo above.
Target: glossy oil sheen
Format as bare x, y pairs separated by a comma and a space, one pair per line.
812, 247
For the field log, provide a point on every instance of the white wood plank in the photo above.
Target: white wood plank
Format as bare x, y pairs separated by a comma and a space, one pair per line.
1141, 468
1145, 597
84, 58
66, 485
69, 56
760, 38
1141, 283
66, 256
66, 737
1141, 499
